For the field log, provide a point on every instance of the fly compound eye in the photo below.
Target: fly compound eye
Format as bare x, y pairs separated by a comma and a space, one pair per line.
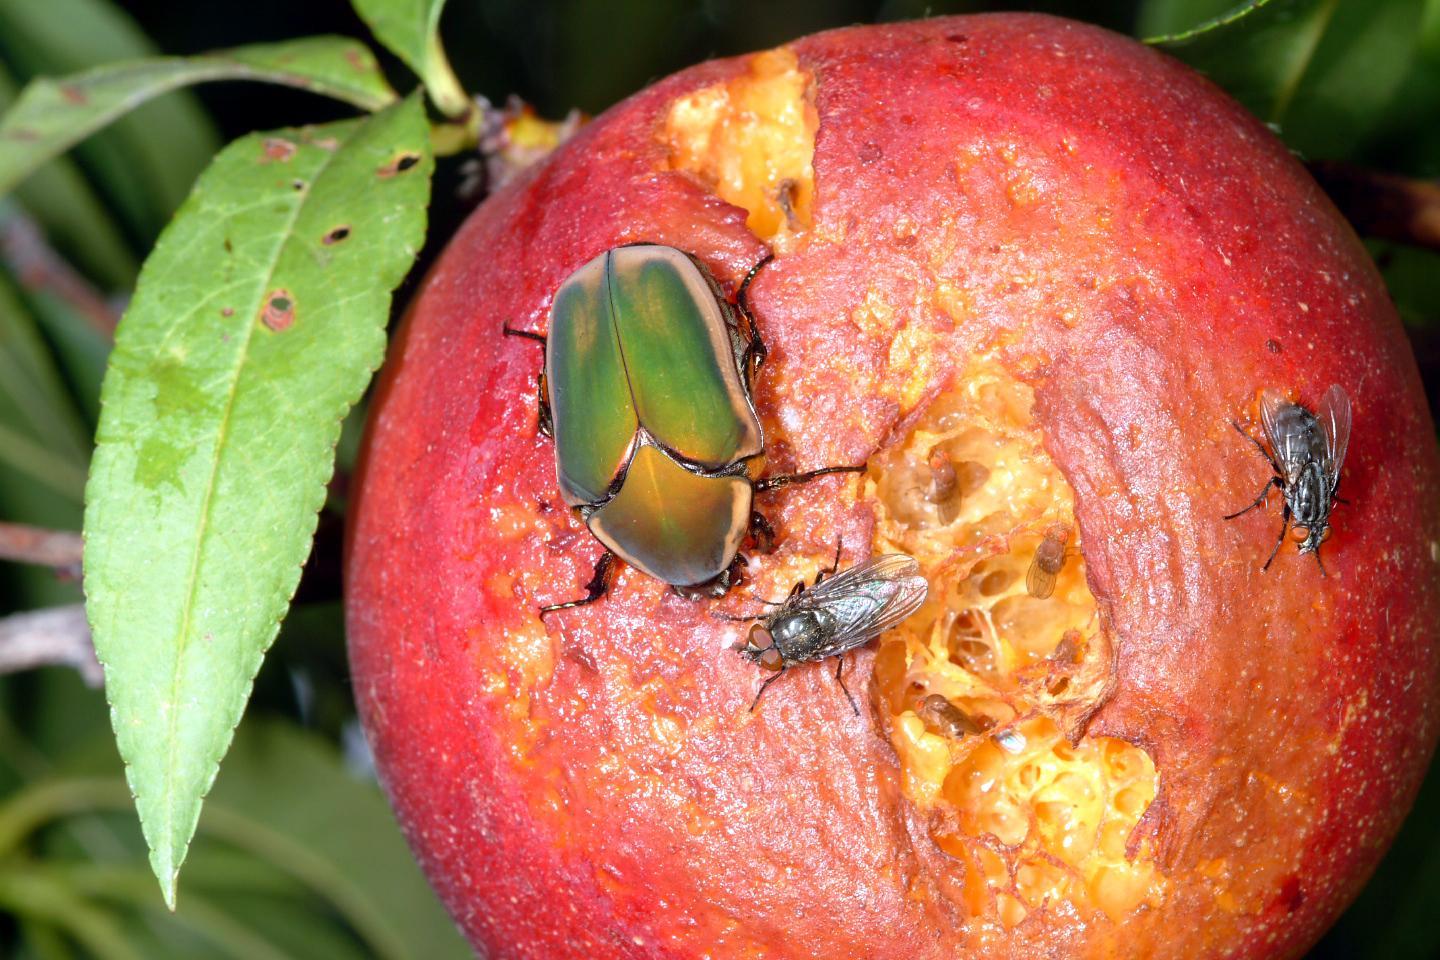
1325, 536
1299, 534
771, 659
760, 638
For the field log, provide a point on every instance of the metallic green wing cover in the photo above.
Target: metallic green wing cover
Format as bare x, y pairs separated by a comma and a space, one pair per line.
672, 524
679, 356
590, 401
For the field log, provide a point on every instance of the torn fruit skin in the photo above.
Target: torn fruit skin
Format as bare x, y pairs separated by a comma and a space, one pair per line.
1025, 251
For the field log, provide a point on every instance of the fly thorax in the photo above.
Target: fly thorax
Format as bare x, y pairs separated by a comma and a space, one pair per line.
794, 628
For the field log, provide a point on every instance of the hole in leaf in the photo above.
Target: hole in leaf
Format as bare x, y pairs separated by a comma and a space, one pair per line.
336, 235
400, 164
278, 313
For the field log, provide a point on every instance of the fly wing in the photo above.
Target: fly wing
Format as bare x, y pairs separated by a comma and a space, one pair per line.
866, 600
1287, 445
1334, 415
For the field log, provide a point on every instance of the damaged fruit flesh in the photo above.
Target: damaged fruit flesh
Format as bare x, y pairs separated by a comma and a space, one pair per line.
1029, 272
1034, 810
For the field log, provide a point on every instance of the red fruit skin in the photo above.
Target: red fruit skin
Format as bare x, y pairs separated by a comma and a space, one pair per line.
1127, 240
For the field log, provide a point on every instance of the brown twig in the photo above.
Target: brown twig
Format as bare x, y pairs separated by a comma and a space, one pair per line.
60, 549
58, 636
1383, 205
40, 269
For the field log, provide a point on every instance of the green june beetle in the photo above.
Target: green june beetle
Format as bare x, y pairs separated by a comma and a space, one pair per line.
646, 390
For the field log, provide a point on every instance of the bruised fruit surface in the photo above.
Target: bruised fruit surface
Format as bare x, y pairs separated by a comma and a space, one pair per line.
1029, 272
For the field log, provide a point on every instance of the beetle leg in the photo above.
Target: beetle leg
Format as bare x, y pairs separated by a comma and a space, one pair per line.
1284, 529
762, 531
544, 422
1264, 492
1258, 445
768, 680
771, 483
840, 665
755, 352
718, 585
598, 586
528, 335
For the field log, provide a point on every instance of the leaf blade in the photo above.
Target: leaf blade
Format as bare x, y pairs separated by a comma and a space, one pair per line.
221, 410
411, 30
52, 115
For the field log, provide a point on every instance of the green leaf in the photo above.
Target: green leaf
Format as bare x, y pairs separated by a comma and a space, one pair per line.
74, 219
359, 862
1335, 77
411, 30
52, 115
256, 325
41, 433
271, 854
143, 165
1175, 21
1258, 53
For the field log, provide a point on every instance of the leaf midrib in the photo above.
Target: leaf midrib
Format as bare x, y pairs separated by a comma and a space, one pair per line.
193, 580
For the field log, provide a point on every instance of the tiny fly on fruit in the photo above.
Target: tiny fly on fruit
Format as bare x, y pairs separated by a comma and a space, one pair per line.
1306, 452
1048, 562
833, 616
944, 718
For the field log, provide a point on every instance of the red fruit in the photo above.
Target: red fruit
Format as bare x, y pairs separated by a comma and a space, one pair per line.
1031, 271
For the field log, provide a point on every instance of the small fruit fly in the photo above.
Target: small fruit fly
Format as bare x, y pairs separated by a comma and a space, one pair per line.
941, 716
1306, 452
833, 616
1048, 562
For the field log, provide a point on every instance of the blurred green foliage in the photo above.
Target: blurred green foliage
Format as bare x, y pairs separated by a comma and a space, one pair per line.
297, 855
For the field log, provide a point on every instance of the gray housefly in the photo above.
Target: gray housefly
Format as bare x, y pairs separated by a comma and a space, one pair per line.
1306, 452
834, 615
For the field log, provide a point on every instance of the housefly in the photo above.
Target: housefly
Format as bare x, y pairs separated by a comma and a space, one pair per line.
1306, 452
834, 616
1049, 560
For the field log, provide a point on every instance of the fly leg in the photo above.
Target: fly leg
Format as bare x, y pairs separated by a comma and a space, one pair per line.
598, 586
1264, 492
1284, 529
840, 665
768, 680
772, 483
1258, 446
834, 565
544, 421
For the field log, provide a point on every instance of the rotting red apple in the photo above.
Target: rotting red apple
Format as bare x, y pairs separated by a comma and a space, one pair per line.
1030, 271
